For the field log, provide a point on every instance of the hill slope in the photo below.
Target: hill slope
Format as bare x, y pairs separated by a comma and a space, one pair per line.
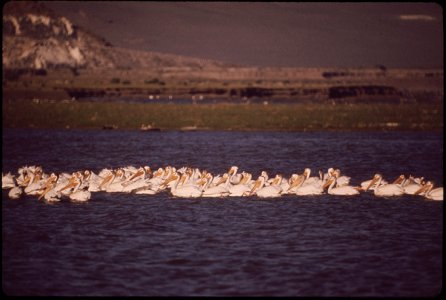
36, 37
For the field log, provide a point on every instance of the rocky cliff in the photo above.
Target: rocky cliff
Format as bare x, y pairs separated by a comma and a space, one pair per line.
35, 37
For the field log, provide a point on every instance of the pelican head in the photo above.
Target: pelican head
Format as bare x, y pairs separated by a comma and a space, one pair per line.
246, 177
374, 180
336, 173
277, 180
120, 173
158, 172
264, 174
293, 177
232, 170
87, 174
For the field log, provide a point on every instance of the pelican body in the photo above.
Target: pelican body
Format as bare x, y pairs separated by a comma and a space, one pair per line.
385, 190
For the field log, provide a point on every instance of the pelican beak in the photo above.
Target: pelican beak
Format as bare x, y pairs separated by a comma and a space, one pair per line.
399, 179
374, 180
327, 183
106, 179
421, 189
71, 184
172, 177
296, 182
276, 180
26, 181
183, 179
139, 172
48, 188
256, 186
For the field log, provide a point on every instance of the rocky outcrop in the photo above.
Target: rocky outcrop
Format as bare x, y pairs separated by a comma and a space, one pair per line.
35, 37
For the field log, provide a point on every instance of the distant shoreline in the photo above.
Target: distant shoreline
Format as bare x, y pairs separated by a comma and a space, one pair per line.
294, 84
228, 117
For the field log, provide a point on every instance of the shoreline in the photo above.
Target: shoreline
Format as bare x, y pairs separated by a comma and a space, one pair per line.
228, 117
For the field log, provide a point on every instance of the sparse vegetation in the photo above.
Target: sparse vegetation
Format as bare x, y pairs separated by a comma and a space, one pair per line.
294, 117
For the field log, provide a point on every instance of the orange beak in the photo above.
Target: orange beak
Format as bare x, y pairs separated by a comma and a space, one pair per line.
71, 184
327, 184
374, 180
106, 179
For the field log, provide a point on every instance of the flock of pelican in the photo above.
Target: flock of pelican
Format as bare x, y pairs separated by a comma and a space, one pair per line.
187, 182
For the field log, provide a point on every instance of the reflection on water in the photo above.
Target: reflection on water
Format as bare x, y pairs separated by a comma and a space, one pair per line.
161, 246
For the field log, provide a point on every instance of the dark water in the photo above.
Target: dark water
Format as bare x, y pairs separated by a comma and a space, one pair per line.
162, 246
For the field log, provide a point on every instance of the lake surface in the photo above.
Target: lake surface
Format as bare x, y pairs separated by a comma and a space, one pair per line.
158, 245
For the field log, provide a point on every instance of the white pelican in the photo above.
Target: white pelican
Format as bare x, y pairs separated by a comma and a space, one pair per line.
313, 188
306, 185
293, 182
345, 190
328, 174
92, 180
22, 176
49, 193
265, 175
77, 194
215, 191
410, 186
8, 181
234, 177
154, 184
15, 192
241, 188
62, 180
271, 191
104, 172
137, 180
384, 190
258, 184
35, 182
430, 193
193, 175
129, 171
370, 184
311, 180
178, 189
341, 180
285, 185
112, 181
